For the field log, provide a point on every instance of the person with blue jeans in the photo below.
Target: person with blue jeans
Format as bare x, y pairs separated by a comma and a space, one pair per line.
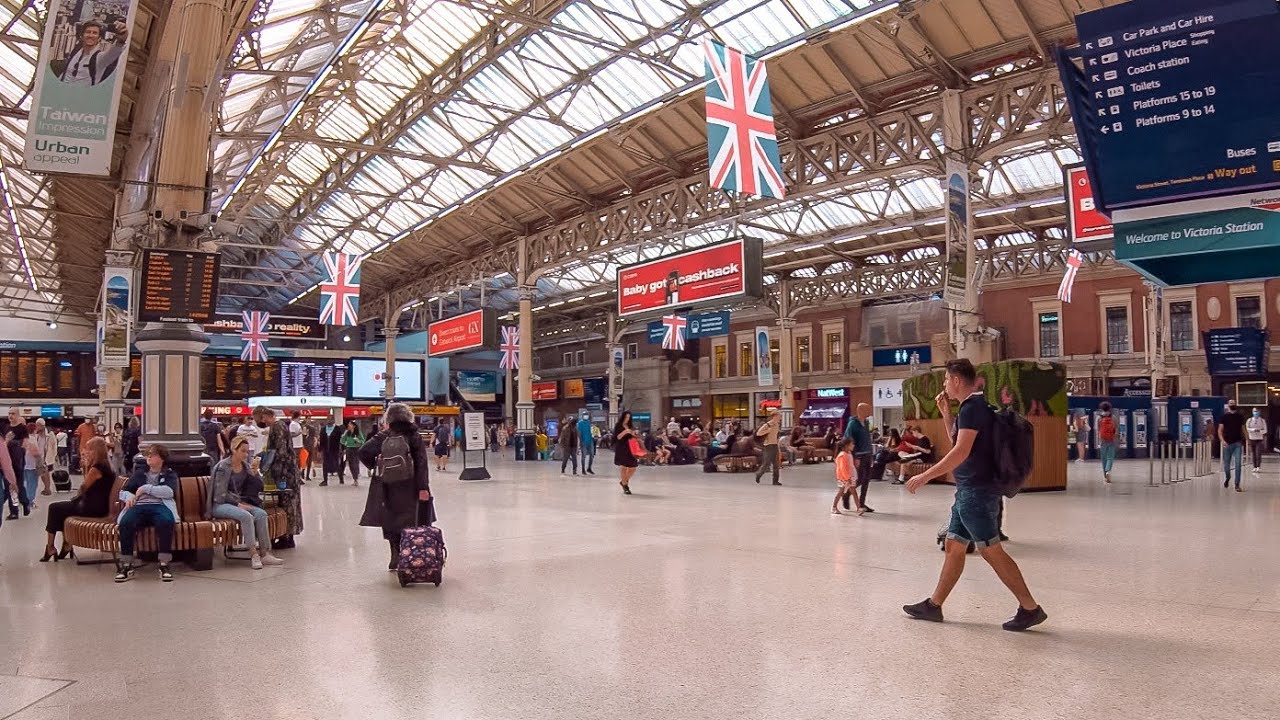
975, 514
235, 493
15, 470
1231, 434
1106, 439
148, 500
586, 445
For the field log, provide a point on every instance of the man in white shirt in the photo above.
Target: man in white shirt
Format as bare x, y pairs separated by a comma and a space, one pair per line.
296, 435
1256, 427
64, 457
673, 427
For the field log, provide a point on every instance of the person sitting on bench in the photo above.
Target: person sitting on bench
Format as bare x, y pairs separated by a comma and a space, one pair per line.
148, 502
919, 450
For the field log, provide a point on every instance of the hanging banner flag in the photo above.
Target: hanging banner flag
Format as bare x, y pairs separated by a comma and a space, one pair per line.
742, 143
510, 348
616, 362
1084, 221
71, 127
674, 330
959, 235
764, 356
340, 289
117, 320
1074, 259
254, 334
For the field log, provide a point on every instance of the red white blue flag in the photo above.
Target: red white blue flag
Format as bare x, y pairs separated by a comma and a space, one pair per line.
510, 358
340, 289
673, 331
254, 334
742, 144
1074, 260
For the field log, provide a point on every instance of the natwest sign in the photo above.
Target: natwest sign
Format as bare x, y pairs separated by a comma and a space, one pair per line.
717, 272
469, 331
1084, 220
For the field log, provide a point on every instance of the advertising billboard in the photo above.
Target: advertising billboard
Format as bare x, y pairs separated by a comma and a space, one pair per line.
545, 390
368, 379
1084, 220
469, 331
723, 271
478, 386
573, 389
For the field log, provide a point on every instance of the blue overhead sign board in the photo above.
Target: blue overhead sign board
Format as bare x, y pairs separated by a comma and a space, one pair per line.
890, 357
1236, 351
701, 325
1178, 99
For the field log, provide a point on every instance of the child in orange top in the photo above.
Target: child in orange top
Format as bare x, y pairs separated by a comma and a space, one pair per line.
846, 475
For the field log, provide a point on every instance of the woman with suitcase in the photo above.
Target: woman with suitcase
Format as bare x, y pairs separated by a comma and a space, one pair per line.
400, 502
93, 500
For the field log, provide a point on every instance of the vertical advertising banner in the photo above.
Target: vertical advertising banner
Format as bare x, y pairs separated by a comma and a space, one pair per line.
72, 124
764, 358
114, 340
617, 359
959, 235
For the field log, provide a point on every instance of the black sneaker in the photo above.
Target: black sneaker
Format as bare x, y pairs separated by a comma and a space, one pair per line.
166, 575
1025, 619
868, 508
324, 483
1225, 483
124, 573
924, 610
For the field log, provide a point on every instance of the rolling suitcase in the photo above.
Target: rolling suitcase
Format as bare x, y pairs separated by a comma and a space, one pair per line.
61, 481
422, 556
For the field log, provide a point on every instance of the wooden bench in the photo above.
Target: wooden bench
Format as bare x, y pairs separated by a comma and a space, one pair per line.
192, 534
815, 450
736, 463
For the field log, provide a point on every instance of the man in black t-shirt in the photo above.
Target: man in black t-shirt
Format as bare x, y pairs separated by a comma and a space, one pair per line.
1231, 433
975, 514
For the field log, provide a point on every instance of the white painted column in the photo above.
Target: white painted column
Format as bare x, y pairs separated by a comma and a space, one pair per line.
391, 333
171, 393
525, 424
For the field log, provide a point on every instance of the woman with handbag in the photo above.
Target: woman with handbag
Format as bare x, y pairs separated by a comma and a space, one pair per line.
627, 451
93, 500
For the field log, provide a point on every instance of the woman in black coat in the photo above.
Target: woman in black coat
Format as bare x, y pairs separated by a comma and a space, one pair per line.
331, 446
394, 507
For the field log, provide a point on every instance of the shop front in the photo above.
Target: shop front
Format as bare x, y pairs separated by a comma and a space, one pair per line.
765, 402
686, 410
825, 406
731, 408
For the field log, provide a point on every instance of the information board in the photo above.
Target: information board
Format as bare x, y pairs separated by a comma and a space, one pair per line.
319, 378
234, 379
368, 379
1194, 84
178, 286
1236, 351
37, 374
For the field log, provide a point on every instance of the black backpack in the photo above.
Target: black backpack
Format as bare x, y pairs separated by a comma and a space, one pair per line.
395, 464
1013, 440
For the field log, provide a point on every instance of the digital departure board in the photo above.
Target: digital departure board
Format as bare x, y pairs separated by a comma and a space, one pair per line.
38, 374
323, 378
178, 286
236, 379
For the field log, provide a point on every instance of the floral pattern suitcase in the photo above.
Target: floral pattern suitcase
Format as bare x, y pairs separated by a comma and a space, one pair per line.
422, 556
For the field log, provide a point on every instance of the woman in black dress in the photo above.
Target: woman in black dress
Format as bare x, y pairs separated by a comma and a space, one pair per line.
622, 455
93, 500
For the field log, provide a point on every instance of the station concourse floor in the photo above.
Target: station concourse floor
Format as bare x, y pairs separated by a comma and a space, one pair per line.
701, 596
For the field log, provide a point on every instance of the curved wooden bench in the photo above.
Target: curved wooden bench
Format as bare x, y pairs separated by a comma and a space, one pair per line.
192, 534
736, 463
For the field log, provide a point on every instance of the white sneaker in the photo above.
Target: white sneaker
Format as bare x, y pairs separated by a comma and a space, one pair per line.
270, 559
1255, 471
255, 562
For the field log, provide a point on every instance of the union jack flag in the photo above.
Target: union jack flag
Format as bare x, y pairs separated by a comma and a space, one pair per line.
254, 334
673, 331
742, 144
510, 359
1074, 259
340, 289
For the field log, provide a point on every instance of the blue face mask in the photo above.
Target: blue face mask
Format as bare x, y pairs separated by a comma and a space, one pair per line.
1257, 413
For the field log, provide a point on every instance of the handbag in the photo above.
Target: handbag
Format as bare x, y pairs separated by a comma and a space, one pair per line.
637, 450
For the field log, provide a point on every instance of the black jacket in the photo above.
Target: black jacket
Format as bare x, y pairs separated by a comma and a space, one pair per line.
396, 507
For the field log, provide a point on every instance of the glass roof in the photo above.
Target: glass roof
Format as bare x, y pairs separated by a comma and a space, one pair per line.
474, 121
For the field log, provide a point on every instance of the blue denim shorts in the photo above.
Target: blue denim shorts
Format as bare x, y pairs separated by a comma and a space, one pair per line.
975, 516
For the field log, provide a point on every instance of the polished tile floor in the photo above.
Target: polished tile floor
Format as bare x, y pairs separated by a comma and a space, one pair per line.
701, 596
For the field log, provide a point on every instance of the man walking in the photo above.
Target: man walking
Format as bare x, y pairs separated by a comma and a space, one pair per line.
768, 434
215, 442
859, 431
975, 514
1231, 434
587, 445
1257, 429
